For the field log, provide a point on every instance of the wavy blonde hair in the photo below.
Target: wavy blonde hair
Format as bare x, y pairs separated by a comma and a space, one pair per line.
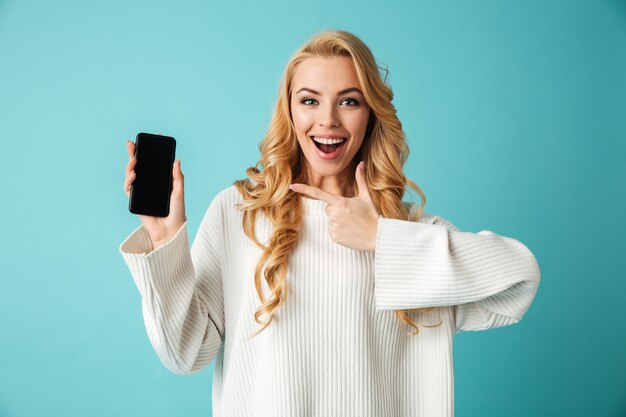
384, 152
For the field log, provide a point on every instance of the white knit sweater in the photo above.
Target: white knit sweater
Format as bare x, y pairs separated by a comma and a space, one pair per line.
335, 348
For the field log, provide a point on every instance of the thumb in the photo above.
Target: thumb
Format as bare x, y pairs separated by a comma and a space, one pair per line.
364, 193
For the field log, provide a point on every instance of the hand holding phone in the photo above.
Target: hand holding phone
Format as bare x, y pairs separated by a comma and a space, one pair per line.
161, 221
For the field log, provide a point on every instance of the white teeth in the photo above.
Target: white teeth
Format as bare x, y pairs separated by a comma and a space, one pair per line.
328, 141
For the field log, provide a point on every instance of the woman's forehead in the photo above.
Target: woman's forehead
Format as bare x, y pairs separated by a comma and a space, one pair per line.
325, 74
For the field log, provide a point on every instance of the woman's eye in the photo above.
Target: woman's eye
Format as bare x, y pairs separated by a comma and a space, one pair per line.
307, 100
353, 101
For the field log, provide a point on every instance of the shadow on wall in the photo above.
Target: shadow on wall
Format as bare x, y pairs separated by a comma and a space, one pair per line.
621, 412
620, 8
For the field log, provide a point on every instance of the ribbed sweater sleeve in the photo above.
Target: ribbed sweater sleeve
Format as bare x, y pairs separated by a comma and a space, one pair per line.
490, 279
181, 293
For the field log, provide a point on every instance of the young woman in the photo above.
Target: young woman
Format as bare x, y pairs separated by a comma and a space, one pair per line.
306, 278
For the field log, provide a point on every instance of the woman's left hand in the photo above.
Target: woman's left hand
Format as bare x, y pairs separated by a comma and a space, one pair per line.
354, 221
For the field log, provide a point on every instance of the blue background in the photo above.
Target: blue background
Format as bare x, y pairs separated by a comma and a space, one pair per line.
515, 112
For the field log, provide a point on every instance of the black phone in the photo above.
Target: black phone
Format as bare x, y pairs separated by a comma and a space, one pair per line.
151, 190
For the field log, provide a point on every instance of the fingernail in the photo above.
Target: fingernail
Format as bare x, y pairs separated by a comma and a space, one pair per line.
293, 187
362, 166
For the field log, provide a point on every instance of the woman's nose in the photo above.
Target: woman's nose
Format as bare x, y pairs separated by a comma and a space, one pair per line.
329, 118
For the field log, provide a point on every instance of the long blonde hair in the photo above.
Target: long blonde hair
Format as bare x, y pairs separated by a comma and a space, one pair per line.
384, 152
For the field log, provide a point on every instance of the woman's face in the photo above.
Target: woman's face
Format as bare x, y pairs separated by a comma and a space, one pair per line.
327, 104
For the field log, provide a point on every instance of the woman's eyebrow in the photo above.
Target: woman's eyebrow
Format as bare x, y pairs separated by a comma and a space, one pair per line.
347, 90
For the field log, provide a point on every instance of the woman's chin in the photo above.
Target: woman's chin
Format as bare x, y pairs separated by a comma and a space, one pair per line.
327, 169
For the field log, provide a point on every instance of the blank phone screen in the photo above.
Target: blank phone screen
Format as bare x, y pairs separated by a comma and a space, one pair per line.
152, 187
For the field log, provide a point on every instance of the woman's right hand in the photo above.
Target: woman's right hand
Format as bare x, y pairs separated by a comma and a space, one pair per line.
160, 229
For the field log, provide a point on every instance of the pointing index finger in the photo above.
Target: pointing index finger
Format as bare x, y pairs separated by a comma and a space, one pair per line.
316, 193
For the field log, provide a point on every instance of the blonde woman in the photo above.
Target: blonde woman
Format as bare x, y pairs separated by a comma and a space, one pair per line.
315, 288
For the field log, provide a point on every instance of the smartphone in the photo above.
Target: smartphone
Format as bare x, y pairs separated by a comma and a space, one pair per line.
151, 190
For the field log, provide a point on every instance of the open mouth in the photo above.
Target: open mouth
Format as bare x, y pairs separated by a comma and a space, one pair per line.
328, 146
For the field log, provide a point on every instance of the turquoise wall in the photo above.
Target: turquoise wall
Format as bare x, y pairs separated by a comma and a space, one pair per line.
515, 112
